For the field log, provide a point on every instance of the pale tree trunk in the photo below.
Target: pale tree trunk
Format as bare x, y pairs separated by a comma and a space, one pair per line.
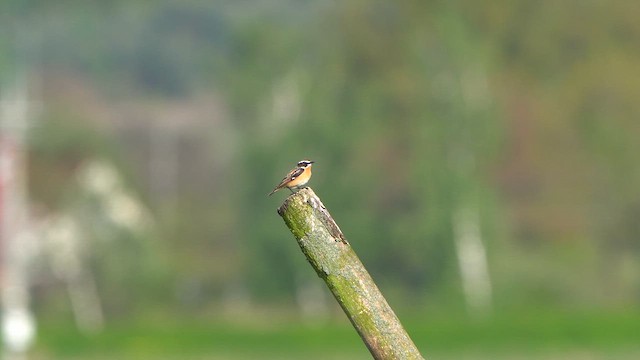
472, 260
16, 238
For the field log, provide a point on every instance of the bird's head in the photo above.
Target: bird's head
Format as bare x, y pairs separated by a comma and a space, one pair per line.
305, 163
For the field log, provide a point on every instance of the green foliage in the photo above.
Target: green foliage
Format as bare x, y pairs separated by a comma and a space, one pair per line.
524, 111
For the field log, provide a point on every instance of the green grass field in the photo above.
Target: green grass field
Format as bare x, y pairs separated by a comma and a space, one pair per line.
595, 336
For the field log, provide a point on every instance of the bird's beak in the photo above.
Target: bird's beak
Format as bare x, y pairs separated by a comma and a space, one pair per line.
312, 162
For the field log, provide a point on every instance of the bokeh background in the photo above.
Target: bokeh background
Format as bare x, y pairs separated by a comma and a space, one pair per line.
481, 157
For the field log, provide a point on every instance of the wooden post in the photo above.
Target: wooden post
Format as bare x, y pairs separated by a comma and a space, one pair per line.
337, 264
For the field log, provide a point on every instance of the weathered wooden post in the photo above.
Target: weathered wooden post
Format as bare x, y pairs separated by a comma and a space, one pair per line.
337, 264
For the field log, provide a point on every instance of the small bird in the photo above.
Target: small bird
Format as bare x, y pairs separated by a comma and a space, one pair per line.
297, 177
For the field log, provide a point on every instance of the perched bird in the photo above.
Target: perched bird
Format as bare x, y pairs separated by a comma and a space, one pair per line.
297, 177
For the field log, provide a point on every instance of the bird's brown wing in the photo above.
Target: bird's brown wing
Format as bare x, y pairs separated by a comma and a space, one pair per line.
294, 174
290, 177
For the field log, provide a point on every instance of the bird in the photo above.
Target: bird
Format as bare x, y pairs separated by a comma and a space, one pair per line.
297, 177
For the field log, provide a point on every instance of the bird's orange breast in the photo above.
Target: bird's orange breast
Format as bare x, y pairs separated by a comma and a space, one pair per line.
301, 179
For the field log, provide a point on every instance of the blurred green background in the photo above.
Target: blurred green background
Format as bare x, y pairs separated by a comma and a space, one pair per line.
481, 158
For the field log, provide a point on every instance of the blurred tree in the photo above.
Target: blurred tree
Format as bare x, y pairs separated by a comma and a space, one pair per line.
521, 113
